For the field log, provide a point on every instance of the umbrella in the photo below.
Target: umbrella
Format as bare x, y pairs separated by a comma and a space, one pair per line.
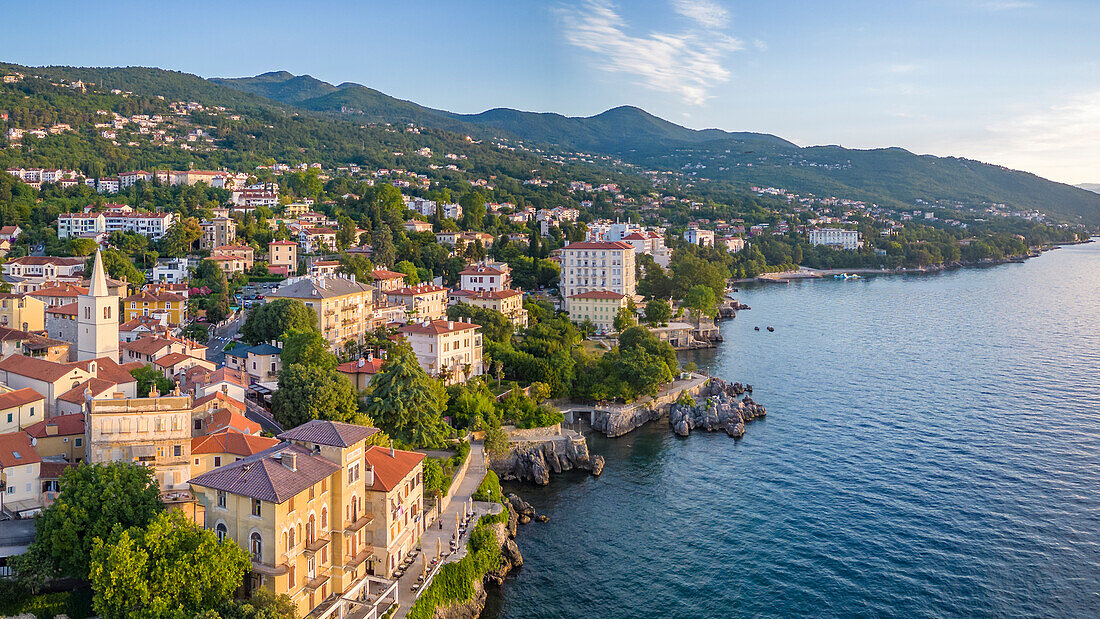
456, 522
438, 547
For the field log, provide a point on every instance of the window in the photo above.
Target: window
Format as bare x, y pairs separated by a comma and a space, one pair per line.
257, 507
324, 518
221, 498
177, 450
292, 540
217, 460
256, 545
79, 441
32, 411
221, 531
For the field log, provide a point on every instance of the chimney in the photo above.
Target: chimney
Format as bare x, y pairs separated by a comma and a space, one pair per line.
289, 460
392, 455
361, 362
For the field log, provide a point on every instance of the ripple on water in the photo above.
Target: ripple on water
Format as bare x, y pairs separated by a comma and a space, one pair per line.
932, 449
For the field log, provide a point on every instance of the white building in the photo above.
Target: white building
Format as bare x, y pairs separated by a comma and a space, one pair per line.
597, 265
696, 236
171, 270
493, 276
152, 225
445, 348
836, 237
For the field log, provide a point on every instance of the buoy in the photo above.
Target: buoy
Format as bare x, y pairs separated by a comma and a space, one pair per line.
756, 328
771, 328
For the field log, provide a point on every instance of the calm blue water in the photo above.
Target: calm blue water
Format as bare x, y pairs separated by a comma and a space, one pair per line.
932, 448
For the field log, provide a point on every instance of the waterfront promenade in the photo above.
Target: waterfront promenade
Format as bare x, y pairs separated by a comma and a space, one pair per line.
408, 586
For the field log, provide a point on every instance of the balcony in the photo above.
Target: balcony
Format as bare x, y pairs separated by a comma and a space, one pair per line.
352, 527
358, 559
316, 582
316, 545
267, 569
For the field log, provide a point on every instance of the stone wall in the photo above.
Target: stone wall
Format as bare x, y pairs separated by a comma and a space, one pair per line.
534, 460
618, 421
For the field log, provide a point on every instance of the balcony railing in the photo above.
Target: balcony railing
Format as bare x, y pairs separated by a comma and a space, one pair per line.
316, 545
352, 527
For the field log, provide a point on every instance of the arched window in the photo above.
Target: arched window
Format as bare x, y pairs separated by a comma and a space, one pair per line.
256, 544
286, 540
221, 531
107, 312
311, 530
293, 539
324, 518
354, 508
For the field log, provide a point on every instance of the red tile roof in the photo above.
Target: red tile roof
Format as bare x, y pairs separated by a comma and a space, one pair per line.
599, 245
69, 309
230, 442
66, 425
389, 470
95, 386
437, 327
379, 274
16, 450
372, 366
33, 367
226, 419
19, 397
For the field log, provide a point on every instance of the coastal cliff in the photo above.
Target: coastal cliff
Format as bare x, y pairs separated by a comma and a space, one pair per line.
510, 558
617, 421
535, 459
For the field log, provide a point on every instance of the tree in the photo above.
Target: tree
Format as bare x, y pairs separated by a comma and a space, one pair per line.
94, 500
384, 251
624, 319
355, 265
701, 300
412, 277
271, 321
658, 312
118, 266
308, 392
406, 402
148, 377
82, 247
181, 236
217, 308
496, 442
172, 567
307, 348
473, 209
495, 326
346, 235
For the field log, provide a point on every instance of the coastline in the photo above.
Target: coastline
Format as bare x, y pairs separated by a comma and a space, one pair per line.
810, 273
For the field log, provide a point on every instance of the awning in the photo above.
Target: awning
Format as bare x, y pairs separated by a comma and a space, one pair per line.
142, 451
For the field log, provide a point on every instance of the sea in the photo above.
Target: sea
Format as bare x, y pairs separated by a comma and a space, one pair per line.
931, 449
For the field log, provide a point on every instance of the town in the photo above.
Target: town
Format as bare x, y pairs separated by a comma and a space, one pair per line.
321, 364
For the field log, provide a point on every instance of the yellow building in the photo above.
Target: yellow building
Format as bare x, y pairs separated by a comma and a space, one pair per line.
20, 408
300, 509
62, 435
507, 302
422, 302
344, 307
24, 312
243, 252
155, 304
283, 254
397, 502
599, 306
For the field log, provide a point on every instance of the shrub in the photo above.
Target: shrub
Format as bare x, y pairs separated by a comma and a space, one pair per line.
455, 582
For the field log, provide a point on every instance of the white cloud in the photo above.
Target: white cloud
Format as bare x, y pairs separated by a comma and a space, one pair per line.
707, 13
1059, 142
687, 64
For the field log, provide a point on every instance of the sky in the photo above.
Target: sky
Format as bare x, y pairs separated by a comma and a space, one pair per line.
1010, 82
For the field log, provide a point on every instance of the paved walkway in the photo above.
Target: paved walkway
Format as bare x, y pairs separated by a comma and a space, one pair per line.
435, 536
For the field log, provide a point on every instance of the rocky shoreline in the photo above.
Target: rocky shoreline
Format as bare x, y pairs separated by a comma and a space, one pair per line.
533, 461
720, 410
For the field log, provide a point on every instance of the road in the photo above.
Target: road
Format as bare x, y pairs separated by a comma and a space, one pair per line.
221, 335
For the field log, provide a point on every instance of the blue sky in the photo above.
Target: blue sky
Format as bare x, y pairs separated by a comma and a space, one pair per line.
1013, 82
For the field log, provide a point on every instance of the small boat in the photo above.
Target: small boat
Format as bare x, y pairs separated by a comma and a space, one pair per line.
846, 276
771, 329
756, 328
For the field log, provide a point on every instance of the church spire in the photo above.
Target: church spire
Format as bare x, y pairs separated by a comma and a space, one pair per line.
99, 277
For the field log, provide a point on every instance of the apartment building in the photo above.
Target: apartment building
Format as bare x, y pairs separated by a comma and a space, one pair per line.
422, 302
507, 302
697, 236
344, 307
445, 348
261, 363
597, 265
489, 276
301, 511
22, 311
157, 304
283, 254
20, 408
836, 237
218, 232
396, 498
42, 269
153, 432
599, 306
152, 225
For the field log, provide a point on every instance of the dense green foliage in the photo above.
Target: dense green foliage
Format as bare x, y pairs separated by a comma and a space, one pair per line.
148, 377
171, 568
95, 502
271, 321
407, 403
308, 392
489, 489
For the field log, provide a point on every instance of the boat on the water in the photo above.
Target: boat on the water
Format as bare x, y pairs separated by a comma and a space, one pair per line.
846, 276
